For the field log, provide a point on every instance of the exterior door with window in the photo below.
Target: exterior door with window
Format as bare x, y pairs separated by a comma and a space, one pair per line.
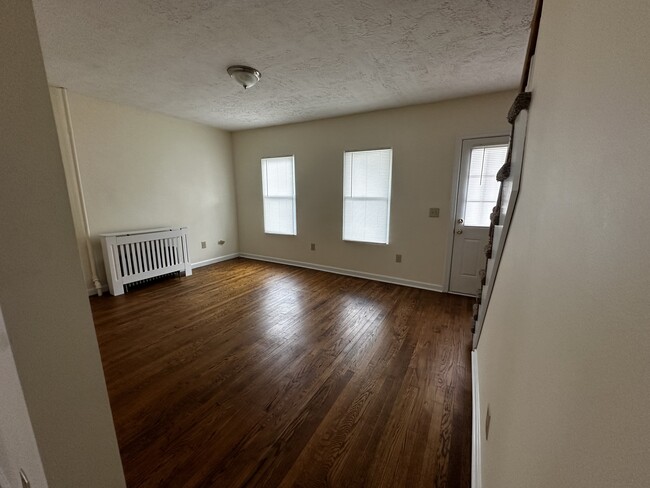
478, 190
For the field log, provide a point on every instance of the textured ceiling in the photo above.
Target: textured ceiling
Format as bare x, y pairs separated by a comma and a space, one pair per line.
318, 58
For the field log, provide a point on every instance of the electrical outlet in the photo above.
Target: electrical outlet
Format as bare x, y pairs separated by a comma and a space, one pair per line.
488, 418
203, 244
434, 213
398, 258
313, 246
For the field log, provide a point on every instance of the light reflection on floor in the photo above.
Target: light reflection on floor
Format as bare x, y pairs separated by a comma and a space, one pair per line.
281, 310
283, 314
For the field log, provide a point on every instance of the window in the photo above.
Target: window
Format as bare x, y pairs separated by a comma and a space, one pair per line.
366, 195
482, 186
279, 192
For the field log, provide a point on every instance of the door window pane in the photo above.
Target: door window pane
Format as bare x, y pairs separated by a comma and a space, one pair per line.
482, 185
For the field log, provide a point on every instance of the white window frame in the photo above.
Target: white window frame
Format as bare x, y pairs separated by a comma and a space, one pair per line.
388, 199
292, 197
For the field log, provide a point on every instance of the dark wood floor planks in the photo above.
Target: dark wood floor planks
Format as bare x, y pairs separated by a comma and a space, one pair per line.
257, 374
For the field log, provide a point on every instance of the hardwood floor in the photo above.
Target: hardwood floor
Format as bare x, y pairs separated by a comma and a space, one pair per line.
257, 374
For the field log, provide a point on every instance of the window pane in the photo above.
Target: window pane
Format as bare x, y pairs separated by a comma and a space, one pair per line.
279, 216
366, 191
278, 188
278, 173
365, 220
482, 186
368, 173
477, 214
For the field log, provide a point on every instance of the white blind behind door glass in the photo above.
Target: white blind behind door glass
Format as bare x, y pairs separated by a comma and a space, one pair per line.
483, 187
279, 192
366, 195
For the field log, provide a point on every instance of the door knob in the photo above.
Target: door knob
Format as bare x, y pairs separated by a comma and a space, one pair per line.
460, 221
459, 231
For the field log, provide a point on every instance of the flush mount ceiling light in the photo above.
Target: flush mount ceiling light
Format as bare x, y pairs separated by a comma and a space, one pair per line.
244, 75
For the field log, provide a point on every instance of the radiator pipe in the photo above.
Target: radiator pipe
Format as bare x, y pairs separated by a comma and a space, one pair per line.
82, 201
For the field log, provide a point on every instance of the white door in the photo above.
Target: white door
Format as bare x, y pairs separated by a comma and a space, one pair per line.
478, 190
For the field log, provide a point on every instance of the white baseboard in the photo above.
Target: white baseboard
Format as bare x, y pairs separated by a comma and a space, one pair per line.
347, 272
476, 425
219, 259
93, 291
318, 267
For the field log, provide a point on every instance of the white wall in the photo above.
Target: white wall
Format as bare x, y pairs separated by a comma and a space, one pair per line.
47, 318
425, 141
564, 354
143, 170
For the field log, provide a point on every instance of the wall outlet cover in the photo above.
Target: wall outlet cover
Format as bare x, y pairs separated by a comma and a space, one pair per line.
313, 246
203, 244
434, 213
398, 258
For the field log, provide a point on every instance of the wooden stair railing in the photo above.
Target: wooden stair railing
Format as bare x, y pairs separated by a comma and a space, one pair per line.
509, 176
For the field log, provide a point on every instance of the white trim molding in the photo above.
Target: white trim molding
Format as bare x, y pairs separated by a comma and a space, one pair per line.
93, 291
476, 425
218, 259
319, 267
99, 288
346, 272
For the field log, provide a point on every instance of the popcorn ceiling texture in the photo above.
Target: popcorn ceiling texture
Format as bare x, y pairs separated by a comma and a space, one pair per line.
318, 58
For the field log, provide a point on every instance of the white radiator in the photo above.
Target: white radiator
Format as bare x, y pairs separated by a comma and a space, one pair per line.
135, 256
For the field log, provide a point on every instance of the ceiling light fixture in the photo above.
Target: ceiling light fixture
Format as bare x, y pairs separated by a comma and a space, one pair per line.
244, 75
